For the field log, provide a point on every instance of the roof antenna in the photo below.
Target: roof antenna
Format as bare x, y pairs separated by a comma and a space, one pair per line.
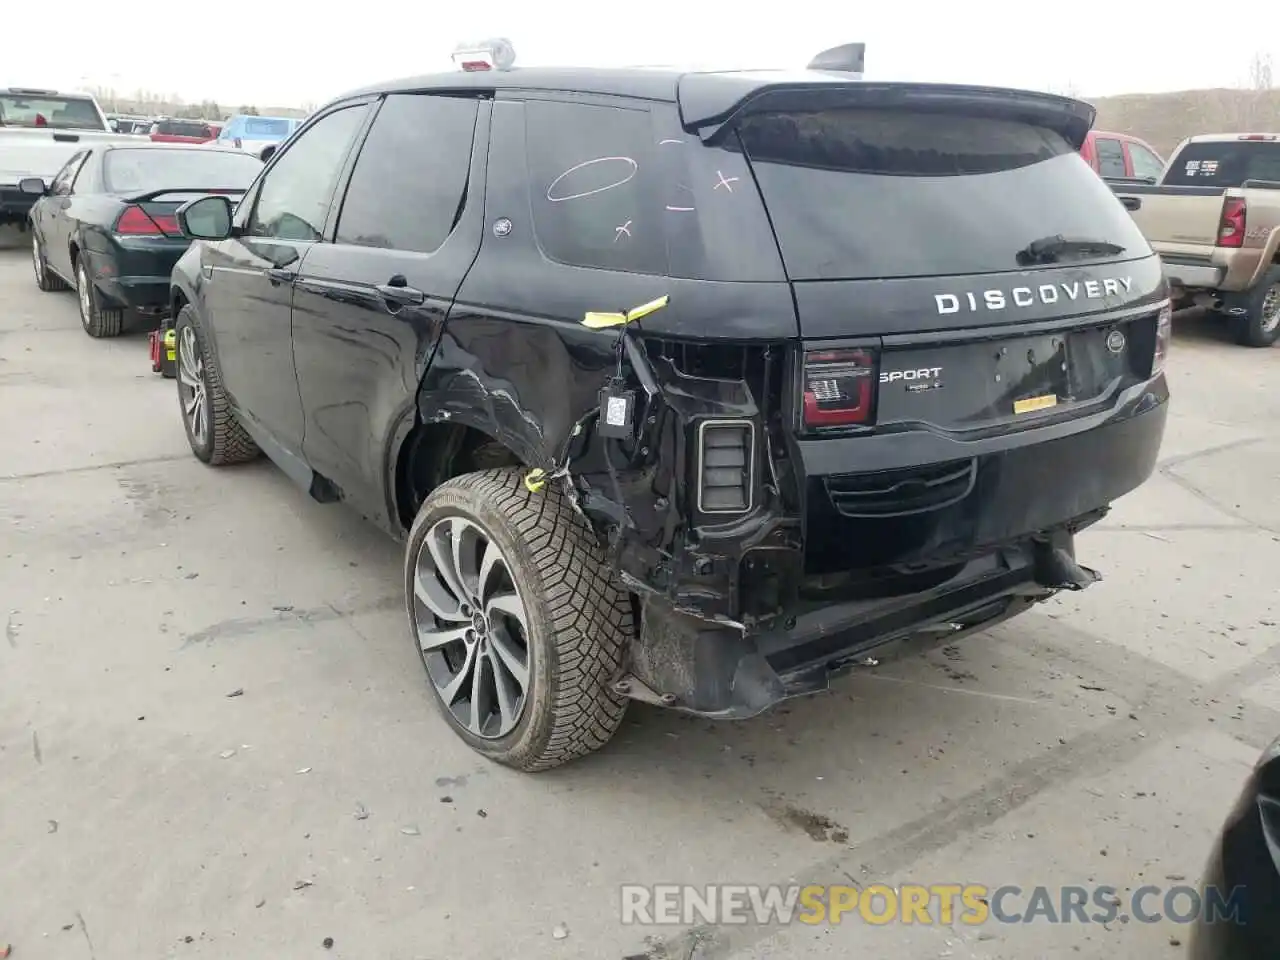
846, 58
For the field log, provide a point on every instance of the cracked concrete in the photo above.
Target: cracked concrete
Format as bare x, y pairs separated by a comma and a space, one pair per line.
141, 588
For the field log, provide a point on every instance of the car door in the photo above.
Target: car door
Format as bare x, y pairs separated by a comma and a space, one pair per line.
52, 219
369, 307
1110, 157
248, 289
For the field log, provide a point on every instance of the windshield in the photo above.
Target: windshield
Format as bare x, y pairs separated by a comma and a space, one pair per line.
861, 194
1226, 163
57, 113
137, 171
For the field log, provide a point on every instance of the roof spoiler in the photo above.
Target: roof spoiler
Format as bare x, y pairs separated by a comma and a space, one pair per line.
153, 194
847, 58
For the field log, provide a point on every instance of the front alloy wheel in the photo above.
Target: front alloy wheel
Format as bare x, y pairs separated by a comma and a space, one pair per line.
472, 628
192, 389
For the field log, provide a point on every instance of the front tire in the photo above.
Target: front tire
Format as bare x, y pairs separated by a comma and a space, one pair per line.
520, 629
214, 433
1260, 325
98, 321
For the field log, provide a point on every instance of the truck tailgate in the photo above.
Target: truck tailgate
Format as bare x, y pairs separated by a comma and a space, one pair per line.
42, 152
1174, 217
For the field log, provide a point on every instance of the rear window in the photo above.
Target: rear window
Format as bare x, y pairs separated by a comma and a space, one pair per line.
861, 194
182, 128
138, 171
266, 128
67, 113
1226, 164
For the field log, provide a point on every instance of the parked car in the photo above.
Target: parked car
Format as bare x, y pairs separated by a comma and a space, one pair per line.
1120, 155
1214, 218
255, 134
39, 130
679, 387
181, 131
1242, 878
106, 226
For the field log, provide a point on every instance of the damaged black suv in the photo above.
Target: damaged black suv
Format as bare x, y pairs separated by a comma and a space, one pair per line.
682, 387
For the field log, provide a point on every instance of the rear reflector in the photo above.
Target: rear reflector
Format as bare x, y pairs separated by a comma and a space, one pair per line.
725, 475
839, 387
136, 222
1231, 229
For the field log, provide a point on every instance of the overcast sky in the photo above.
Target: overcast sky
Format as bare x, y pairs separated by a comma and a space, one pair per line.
264, 52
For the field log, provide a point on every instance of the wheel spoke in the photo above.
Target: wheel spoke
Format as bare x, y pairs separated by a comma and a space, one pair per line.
434, 596
450, 693
513, 663
477, 689
442, 556
435, 639
491, 559
503, 693
193, 403
459, 533
507, 604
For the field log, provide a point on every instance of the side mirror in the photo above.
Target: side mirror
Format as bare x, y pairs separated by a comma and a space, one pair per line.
32, 186
267, 152
208, 218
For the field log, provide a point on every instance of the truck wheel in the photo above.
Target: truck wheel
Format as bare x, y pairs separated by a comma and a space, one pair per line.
98, 321
215, 435
1260, 325
46, 281
519, 626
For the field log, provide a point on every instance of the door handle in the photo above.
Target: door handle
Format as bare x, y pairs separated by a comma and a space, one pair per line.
1131, 203
400, 294
278, 276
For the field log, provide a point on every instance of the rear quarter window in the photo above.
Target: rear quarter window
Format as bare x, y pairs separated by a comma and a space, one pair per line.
593, 186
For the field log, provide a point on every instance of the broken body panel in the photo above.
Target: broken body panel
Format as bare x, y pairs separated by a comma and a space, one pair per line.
1012, 407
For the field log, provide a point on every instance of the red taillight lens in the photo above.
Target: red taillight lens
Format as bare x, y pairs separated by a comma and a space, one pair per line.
839, 387
1231, 229
136, 222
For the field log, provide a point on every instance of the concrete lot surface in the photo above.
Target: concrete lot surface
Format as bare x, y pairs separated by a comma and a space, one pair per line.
145, 812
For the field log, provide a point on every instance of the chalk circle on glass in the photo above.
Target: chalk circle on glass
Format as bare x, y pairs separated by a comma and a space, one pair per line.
610, 172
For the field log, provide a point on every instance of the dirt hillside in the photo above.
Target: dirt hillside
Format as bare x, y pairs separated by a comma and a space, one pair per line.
1164, 119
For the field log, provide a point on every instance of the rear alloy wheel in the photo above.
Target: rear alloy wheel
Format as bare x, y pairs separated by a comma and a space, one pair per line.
215, 435
46, 281
519, 625
98, 321
1260, 325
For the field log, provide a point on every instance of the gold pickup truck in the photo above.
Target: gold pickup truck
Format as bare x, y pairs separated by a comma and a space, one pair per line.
1214, 218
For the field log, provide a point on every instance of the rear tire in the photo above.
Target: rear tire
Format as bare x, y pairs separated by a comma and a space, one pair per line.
1260, 325
215, 435
46, 281
98, 321
570, 636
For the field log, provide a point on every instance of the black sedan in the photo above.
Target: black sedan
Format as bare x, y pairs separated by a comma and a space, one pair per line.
1241, 887
105, 226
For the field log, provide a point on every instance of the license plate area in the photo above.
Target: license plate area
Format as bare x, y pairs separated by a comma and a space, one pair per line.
968, 385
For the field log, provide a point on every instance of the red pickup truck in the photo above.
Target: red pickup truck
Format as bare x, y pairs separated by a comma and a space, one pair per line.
181, 131
1120, 155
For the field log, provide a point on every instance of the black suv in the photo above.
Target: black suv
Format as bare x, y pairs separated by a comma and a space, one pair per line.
896, 345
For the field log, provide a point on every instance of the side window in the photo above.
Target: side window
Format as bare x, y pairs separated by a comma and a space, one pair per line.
409, 183
294, 199
593, 186
80, 181
1145, 163
1110, 158
61, 185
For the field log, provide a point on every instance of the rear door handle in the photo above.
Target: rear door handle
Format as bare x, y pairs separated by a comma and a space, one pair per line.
278, 276
1131, 203
400, 294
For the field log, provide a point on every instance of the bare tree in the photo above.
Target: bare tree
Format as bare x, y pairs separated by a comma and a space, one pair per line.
1260, 72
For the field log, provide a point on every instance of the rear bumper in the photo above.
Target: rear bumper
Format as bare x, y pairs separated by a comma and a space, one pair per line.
1002, 547
1192, 275
134, 274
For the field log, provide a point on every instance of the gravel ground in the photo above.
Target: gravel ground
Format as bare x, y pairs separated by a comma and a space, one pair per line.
146, 812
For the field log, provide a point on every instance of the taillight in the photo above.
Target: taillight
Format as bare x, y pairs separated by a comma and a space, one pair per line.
1231, 229
136, 222
839, 387
1164, 336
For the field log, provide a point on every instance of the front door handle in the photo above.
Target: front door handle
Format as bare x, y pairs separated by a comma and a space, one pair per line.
278, 276
398, 293
1131, 203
